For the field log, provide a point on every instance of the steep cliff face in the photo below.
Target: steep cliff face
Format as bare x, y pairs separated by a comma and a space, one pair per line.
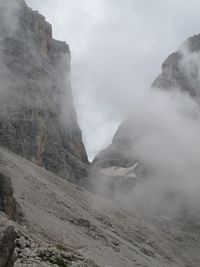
37, 117
180, 71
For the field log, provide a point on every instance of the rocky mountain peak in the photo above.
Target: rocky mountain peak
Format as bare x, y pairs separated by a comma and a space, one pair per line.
181, 69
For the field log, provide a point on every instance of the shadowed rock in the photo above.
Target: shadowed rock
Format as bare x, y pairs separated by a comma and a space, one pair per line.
7, 247
8, 204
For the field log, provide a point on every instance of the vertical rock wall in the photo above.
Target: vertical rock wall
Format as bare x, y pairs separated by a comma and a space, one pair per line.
37, 117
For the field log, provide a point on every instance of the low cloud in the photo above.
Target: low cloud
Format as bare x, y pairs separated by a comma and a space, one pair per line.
117, 50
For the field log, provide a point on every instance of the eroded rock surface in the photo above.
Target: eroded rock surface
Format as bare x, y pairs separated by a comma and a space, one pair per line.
37, 117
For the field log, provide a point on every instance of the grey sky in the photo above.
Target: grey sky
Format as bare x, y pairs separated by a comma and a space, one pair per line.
117, 49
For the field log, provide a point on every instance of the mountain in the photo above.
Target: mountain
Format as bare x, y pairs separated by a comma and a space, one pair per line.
180, 72
37, 117
46, 220
118, 153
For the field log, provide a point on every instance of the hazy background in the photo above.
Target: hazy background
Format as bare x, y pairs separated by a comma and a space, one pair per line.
117, 50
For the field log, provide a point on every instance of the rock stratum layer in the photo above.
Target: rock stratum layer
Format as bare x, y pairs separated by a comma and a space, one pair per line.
37, 117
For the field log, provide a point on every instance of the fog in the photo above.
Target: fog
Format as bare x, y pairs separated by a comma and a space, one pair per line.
117, 51
166, 144
165, 130
17, 89
8, 26
112, 72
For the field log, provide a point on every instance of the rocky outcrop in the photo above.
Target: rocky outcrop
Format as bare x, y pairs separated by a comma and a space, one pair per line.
7, 246
8, 204
29, 253
37, 117
180, 71
18, 249
118, 153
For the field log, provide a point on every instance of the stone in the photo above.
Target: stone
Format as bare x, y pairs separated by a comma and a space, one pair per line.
115, 243
8, 204
7, 246
175, 72
37, 117
21, 243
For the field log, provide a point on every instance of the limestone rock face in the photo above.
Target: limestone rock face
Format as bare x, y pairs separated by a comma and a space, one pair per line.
37, 117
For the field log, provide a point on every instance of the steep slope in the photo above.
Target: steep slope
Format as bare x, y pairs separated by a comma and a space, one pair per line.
56, 213
37, 117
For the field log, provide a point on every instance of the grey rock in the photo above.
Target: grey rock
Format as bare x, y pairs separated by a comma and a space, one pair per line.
8, 204
84, 223
37, 117
47, 256
181, 70
7, 247
21, 243
118, 153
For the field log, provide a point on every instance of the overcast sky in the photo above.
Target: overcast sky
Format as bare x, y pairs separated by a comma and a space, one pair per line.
117, 49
